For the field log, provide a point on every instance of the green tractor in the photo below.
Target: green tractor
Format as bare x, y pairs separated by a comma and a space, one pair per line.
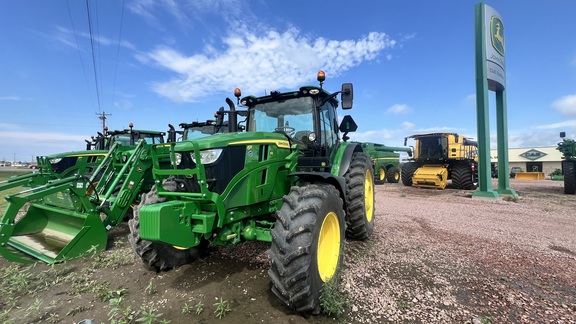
64, 217
568, 149
291, 179
385, 160
63, 165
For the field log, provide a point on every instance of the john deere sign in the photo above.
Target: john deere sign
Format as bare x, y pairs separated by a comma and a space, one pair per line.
491, 76
533, 154
495, 50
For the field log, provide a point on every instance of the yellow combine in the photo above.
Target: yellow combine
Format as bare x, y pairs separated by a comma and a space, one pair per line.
439, 157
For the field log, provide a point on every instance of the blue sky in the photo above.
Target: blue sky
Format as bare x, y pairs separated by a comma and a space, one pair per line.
158, 62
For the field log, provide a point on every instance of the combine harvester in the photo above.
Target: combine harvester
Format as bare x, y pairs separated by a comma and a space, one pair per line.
439, 157
385, 160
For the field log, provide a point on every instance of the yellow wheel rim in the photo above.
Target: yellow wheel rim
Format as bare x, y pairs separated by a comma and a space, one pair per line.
328, 247
396, 176
369, 196
382, 174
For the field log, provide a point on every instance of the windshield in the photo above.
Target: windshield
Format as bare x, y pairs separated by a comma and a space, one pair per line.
193, 133
124, 139
294, 117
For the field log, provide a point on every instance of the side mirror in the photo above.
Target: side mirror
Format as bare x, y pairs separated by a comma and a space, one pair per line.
347, 95
562, 134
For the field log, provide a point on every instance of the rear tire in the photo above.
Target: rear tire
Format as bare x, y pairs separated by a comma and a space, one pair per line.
359, 197
569, 171
407, 173
159, 256
393, 175
380, 176
307, 245
462, 176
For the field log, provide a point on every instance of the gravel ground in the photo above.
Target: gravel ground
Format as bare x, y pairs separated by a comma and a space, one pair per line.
442, 256
436, 256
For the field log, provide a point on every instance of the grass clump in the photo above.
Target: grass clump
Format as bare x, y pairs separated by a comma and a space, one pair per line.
222, 308
333, 301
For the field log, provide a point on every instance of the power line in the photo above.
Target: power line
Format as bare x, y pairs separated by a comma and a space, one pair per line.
78, 48
93, 54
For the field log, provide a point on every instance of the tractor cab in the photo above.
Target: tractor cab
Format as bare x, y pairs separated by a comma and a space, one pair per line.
307, 118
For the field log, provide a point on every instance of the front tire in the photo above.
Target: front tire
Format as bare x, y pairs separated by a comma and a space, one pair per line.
155, 255
359, 197
569, 171
407, 173
307, 245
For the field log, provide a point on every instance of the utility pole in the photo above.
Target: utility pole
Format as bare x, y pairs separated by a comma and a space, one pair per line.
102, 117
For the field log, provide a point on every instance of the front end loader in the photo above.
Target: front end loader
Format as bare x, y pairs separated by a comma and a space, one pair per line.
439, 157
66, 217
291, 179
63, 165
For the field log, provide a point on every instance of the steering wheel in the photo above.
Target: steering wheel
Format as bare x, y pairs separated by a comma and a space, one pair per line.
286, 130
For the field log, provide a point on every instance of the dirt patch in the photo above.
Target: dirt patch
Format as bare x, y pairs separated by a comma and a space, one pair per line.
436, 256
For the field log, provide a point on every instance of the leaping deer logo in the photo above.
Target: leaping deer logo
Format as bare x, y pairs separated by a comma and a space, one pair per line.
497, 33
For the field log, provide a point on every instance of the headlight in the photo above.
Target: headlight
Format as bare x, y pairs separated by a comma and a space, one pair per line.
56, 160
207, 156
178, 158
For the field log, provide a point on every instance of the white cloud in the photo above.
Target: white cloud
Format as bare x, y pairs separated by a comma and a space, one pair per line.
470, 100
566, 105
399, 109
378, 136
9, 98
258, 62
407, 125
563, 124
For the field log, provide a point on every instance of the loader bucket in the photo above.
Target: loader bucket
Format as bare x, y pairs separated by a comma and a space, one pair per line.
529, 176
53, 229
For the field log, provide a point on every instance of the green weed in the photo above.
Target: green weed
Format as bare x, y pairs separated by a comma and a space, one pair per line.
199, 308
222, 308
109, 294
333, 301
150, 289
186, 309
511, 198
119, 314
149, 316
78, 310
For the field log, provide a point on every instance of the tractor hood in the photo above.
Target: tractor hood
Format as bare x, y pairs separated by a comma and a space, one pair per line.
230, 139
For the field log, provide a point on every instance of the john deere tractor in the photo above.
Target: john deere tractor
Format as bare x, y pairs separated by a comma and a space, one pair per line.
386, 161
568, 149
65, 216
290, 179
439, 157
62, 165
